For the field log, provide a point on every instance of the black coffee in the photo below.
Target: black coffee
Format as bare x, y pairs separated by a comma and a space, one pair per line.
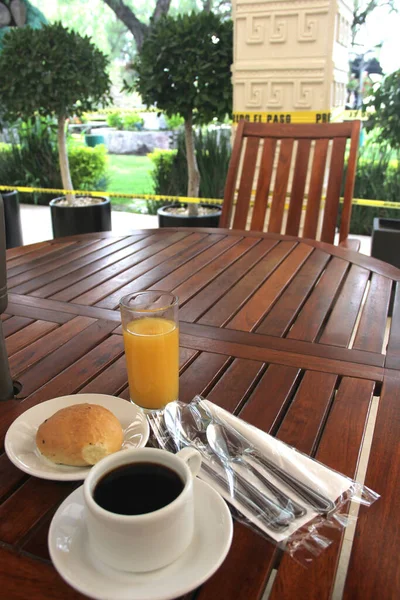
137, 488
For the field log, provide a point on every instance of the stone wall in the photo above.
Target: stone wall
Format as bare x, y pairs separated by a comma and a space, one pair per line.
135, 142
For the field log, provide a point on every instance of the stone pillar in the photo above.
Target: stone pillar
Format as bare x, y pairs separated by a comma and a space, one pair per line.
290, 59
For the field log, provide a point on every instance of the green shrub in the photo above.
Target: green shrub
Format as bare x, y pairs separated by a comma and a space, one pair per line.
115, 119
133, 122
32, 161
164, 180
213, 153
174, 122
88, 167
377, 178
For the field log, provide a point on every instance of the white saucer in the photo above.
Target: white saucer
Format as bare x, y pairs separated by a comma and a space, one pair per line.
20, 440
71, 556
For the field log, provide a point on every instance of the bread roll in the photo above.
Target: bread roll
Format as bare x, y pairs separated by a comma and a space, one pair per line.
79, 435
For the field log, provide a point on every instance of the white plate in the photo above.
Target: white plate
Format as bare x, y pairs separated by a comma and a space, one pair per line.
20, 441
71, 556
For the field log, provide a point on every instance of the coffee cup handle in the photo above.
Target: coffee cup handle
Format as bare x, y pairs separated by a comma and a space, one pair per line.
192, 458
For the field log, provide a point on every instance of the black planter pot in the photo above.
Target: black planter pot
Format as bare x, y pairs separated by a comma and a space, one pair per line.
12, 219
168, 219
72, 220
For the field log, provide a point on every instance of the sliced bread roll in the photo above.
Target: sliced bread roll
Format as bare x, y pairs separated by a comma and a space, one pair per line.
79, 435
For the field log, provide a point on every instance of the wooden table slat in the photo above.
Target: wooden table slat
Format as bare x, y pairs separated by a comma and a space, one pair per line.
40, 348
55, 255
14, 324
230, 303
52, 271
393, 349
191, 287
40, 579
285, 310
311, 318
182, 273
339, 328
371, 329
339, 449
108, 293
374, 569
206, 298
87, 277
259, 304
150, 278
28, 335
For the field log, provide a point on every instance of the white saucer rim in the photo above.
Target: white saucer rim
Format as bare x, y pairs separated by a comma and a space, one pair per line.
200, 485
83, 471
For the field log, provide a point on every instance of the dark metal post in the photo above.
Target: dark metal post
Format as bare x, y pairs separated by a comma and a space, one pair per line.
6, 384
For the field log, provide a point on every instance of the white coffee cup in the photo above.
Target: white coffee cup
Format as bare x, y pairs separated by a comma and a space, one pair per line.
145, 542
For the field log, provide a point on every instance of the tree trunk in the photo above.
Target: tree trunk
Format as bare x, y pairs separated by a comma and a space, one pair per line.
5, 15
18, 11
193, 169
138, 29
63, 157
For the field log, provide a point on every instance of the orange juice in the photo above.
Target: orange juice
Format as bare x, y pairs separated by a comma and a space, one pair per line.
152, 359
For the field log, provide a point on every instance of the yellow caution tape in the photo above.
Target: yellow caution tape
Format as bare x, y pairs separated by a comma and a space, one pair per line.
96, 194
307, 116
181, 199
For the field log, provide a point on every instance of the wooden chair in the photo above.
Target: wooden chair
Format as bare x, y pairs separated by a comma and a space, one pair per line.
263, 152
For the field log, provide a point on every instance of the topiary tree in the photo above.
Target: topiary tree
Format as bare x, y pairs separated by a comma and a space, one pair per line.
184, 67
385, 101
52, 72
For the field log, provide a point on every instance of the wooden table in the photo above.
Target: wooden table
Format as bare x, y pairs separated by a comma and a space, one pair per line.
286, 333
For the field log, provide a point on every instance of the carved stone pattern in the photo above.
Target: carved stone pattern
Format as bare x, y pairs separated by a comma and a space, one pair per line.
307, 27
255, 30
270, 94
303, 95
279, 30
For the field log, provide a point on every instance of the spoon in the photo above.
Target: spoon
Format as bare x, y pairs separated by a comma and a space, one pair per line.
240, 446
187, 431
225, 446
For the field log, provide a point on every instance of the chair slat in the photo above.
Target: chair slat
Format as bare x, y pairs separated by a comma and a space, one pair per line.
314, 140
231, 177
333, 191
315, 191
280, 188
350, 181
246, 183
298, 187
263, 185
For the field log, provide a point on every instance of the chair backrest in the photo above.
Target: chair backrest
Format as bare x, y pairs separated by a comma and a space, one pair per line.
299, 160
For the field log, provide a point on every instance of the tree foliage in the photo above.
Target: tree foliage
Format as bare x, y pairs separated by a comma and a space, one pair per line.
51, 72
363, 9
184, 67
386, 114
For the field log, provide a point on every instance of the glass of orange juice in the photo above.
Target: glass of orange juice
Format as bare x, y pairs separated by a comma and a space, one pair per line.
151, 340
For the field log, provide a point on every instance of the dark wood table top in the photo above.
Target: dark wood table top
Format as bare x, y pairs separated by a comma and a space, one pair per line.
291, 335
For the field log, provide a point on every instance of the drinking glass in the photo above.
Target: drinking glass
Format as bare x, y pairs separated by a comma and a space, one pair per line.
151, 341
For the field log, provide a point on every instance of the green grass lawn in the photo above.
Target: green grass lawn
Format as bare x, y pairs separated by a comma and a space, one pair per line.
129, 174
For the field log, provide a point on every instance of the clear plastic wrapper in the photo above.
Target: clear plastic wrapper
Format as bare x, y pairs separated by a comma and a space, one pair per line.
292, 499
